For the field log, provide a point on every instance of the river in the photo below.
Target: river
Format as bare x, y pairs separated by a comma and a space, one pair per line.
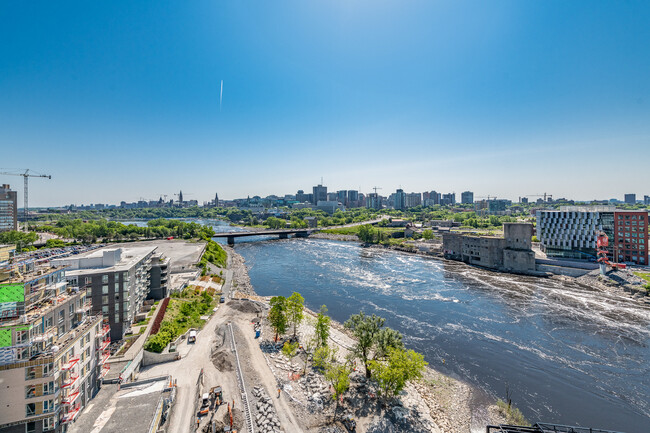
568, 354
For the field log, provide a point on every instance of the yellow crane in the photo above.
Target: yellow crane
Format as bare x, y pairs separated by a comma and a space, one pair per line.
26, 174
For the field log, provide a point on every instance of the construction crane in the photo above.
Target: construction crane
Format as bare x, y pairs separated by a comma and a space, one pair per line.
26, 175
550, 196
376, 188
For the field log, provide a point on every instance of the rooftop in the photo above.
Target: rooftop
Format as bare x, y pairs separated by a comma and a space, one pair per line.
133, 408
105, 260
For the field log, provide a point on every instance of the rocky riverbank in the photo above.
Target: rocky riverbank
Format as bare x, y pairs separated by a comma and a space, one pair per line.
436, 403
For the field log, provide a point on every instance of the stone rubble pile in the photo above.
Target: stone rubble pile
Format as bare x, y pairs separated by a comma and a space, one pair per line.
266, 417
281, 362
315, 388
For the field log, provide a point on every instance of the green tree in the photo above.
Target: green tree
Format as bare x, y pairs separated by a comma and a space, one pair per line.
366, 233
290, 350
278, 315
323, 356
372, 337
339, 377
322, 327
400, 366
427, 234
295, 305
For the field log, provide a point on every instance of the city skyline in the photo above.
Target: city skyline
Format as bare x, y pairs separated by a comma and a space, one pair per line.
120, 101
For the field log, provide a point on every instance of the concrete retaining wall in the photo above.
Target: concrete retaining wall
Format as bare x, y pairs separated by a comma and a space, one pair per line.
562, 270
151, 358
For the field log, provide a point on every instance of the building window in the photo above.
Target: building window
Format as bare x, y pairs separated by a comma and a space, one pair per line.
117, 307
30, 410
105, 289
117, 317
104, 279
105, 300
48, 369
30, 391
49, 423
30, 373
48, 406
48, 388
105, 309
117, 287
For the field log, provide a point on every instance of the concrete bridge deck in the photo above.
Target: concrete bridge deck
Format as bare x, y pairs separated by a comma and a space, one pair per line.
282, 234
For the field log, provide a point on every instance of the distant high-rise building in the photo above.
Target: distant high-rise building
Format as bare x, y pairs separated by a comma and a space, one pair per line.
216, 200
467, 197
400, 200
373, 201
630, 198
448, 199
646, 199
342, 196
523, 200
8, 209
413, 199
320, 194
301, 197
353, 198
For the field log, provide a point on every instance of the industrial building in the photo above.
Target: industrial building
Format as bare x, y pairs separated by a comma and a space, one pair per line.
511, 253
53, 350
571, 232
8, 209
117, 279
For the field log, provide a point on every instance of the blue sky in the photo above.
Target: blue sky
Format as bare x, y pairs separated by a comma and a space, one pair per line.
120, 100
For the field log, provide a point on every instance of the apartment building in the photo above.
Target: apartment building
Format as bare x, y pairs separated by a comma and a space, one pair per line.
467, 197
8, 209
631, 237
117, 280
53, 351
571, 232
159, 277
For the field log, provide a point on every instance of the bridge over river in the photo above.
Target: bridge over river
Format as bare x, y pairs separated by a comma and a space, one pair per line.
283, 234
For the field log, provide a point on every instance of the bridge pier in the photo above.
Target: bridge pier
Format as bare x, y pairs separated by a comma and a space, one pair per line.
231, 240
302, 234
284, 235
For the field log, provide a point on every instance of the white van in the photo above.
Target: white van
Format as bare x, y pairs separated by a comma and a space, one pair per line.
192, 337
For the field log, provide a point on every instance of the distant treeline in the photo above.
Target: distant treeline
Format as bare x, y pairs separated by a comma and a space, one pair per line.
106, 231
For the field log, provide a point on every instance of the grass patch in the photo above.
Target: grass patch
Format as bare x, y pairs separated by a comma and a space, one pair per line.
213, 254
183, 312
512, 414
142, 322
643, 275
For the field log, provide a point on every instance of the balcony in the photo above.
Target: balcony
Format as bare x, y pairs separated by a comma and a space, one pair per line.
104, 345
104, 357
69, 383
71, 416
105, 330
70, 399
70, 364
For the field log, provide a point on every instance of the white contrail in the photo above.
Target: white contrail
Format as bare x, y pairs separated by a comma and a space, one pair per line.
221, 95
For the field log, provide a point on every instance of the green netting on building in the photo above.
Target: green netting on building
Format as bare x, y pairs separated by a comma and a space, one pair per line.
5, 337
12, 293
